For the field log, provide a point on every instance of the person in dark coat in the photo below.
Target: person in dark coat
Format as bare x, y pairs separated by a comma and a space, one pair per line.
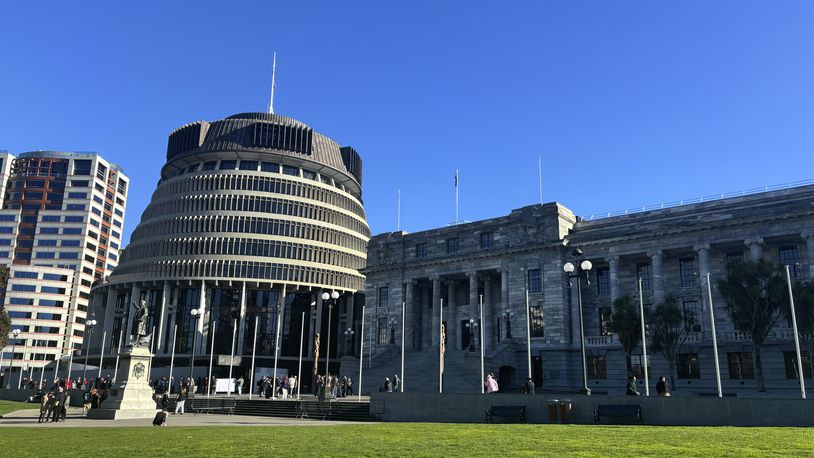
160, 418
528, 387
632, 390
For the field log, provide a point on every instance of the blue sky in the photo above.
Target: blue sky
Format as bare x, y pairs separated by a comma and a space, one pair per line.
628, 103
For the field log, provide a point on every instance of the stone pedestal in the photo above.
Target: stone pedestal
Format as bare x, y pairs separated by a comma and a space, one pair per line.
132, 397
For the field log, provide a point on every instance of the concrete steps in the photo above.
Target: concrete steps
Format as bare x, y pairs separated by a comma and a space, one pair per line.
421, 372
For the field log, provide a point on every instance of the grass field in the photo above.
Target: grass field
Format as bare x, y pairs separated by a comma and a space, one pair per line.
412, 439
11, 406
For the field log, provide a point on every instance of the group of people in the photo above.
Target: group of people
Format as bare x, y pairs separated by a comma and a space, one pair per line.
54, 401
391, 386
282, 387
338, 387
662, 388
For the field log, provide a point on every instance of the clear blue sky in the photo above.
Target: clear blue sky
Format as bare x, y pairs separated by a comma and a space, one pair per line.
627, 102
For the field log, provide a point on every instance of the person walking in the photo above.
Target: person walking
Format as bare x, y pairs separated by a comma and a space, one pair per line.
180, 400
528, 387
240, 382
45, 404
632, 390
396, 382
662, 389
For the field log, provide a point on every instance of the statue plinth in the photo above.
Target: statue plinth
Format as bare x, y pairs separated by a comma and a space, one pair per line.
132, 397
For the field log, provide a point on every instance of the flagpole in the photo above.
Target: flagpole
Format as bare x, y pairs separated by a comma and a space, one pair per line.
361, 351
480, 318
403, 331
644, 341
118, 350
102, 355
441, 347
540, 177
232, 358
456, 196
273, 83
528, 331
714, 338
254, 348
209, 386
172, 357
299, 364
398, 212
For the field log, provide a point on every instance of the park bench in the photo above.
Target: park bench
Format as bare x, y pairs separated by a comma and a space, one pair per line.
208, 405
618, 411
511, 413
322, 409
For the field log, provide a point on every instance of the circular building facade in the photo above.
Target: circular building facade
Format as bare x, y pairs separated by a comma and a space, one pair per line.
254, 216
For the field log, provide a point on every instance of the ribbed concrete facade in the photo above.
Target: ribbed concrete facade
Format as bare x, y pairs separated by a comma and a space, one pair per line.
253, 217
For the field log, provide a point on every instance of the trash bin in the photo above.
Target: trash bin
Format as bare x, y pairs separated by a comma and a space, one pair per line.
565, 411
553, 415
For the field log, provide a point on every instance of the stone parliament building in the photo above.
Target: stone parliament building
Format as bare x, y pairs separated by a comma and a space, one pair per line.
671, 249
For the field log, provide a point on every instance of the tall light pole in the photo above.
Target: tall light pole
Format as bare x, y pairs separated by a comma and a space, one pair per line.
14, 333
194, 313
472, 326
575, 271
508, 315
88, 325
796, 336
325, 296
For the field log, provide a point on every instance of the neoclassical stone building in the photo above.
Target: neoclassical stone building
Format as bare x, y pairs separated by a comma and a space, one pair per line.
499, 259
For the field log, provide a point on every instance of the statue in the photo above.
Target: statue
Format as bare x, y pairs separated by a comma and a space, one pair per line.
141, 337
316, 360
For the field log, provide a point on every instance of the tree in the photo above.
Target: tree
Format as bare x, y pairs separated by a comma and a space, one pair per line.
626, 324
5, 321
669, 328
755, 296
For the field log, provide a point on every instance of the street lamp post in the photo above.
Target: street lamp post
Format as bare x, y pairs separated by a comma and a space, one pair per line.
89, 325
14, 333
575, 271
325, 296
472, 325
194, 313
508, 315
348, 340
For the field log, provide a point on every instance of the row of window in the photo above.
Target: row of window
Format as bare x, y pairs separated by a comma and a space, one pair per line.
246, 247
487, 241
245, 269
13, 314
256, 204
210, 224
30, 301
36, 275
33, 289
740, 364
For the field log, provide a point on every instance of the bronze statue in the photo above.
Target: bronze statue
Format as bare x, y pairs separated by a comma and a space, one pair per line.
141, 337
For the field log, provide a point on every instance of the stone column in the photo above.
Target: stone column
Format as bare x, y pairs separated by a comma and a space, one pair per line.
613, 261
703, 269
808, 236
489, 315
755, 245
504, 297
408, 327
658, 275
436, 299
453, 339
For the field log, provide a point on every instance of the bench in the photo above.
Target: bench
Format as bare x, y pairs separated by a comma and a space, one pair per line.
618, 411
323, 409
208, 405
514, 414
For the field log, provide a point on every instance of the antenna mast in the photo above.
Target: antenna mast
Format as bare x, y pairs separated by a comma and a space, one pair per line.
273, 84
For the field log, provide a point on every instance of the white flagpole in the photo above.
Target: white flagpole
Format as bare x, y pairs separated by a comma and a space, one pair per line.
276, 351
102, 355
644, 341
299, 363
796, 336
528, 331
172, 357
480, 318
209, 387
254, 349
441, 347
118, 350
398, 212
70, 359
540, 177
361, 352
273, 83
714, 339
403, 331
232, 358
456, 196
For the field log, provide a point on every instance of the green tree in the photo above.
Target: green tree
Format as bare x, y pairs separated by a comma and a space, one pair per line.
5, 321
625, 323
669, 328
755, 297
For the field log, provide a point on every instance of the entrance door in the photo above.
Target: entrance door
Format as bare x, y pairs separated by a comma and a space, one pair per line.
537, 371
466, 337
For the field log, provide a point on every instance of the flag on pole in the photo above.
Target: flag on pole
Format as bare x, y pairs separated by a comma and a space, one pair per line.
456, 178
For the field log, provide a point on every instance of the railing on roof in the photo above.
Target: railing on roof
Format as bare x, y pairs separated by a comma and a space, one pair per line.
698, 200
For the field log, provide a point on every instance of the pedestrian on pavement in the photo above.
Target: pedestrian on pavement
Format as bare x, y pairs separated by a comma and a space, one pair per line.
180, 400
528, 387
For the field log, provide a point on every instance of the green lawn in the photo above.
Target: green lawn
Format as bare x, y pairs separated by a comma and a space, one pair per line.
413, 439
11, 406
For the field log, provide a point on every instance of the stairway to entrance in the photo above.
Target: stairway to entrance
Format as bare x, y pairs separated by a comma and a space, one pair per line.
421, 373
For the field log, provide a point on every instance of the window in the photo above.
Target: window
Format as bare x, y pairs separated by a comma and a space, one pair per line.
740, 366
270, 167
637, 367
49, 230
643, 271
535, 282
45, 255
605, 314
20, 301
228, 165
46, 242
7, 218
79, 183
686, 268
691, 315
789, 256
23, 274
688, 365
6, 230
792, 372
75, 207
210, 165
452, 245
487, 240
70, 243
420, 250
597, 367
537, 321
98, 200
293, 171
56, 277
52, 290
77, 195
24, 288
248, 165
68, 255
603, 280
5, 242
50, 218
383, 293
384, 337
81, 167
309, 174
72, 231
17, 315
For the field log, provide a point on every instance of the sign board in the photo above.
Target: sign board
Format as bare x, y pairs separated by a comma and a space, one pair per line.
223, 360
222, 385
